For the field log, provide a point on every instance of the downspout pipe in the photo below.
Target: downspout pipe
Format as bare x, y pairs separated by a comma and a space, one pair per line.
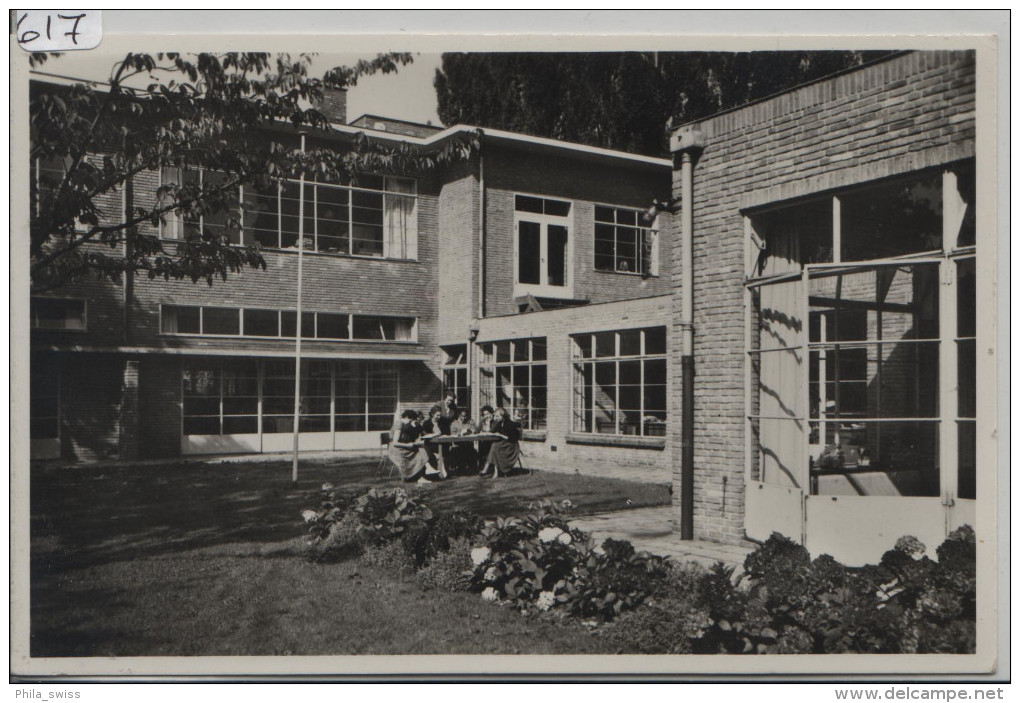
686, 146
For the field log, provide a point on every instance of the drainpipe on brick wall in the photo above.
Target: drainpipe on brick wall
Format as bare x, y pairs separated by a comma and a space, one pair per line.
686, 145
481, 233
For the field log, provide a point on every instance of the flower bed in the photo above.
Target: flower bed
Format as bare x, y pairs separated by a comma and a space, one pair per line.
785, 602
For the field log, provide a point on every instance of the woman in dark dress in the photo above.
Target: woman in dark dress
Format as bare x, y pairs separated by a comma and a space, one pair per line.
505, 452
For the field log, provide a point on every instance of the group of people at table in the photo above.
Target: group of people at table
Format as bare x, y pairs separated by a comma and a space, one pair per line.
417, 442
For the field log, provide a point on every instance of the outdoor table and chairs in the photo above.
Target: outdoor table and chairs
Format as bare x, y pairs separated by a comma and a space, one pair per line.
444, 441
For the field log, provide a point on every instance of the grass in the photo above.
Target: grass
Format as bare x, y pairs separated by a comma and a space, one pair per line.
205, 559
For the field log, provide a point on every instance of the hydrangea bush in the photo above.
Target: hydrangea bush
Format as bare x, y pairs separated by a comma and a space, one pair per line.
784, 602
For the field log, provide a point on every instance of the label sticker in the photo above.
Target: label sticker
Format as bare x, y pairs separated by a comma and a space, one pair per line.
58, 30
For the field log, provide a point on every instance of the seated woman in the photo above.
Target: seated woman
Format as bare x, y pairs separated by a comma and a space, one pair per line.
409, 458
435, 426
463, 455
484, 427
505, 452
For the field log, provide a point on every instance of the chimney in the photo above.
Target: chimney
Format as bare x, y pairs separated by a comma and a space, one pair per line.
333, 105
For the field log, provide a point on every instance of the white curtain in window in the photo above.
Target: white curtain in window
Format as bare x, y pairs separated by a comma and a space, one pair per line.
169, 320
401, 224
780, 383
171, 229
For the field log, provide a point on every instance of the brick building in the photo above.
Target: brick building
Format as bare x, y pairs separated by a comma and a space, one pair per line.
516, 278
833, 252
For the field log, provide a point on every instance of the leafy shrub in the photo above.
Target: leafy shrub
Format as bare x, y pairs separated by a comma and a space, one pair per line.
390, 556
905, 603
669, 621
388, 515
536, 561
449, 570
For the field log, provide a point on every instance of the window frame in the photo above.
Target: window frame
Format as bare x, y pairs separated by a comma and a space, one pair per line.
577, 362
484, 363
945, 418
543, 288
84, 313
413, 322
653, 229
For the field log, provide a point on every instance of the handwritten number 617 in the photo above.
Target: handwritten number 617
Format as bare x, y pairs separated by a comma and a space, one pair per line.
30, 35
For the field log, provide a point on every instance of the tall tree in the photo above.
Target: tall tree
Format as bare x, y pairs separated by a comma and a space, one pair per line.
205, 111
621, 101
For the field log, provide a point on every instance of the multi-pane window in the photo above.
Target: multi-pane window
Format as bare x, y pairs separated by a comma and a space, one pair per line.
619, 384
455, 374
202, 219
47, 175
57, 313
240, 396
366, 396
375, 217
846, 293
260, 322
625, 241
542, 245
513, 375
220, 398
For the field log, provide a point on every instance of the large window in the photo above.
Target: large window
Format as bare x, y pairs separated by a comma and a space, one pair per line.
201, 218
455, 374
513, 375
221, 398
259, 322
619, 382
57, 313
376, 216
625, 241
236, 396
542, 246
847, 298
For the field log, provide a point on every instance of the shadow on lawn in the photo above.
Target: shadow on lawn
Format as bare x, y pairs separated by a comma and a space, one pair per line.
83, 516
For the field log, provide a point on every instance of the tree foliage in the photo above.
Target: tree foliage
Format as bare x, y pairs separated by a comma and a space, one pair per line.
623, 101
206, 111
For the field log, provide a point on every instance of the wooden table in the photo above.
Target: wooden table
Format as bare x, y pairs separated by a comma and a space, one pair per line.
445, 440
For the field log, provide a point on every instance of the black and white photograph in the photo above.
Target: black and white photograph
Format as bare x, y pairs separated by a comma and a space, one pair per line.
458, 357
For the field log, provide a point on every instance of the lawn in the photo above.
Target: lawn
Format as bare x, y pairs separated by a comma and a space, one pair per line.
205, 559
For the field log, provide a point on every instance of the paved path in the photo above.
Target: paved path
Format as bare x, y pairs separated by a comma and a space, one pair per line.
651, 529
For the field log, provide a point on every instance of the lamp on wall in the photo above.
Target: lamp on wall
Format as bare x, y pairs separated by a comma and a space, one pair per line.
472, 333
672, 206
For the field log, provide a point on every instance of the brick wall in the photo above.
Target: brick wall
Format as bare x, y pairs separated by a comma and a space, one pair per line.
910, 112
90, 410
509, 172
458, 253
160, 406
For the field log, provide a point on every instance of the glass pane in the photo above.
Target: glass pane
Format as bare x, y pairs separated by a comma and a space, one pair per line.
353, 423
655, 340
877, 458
525, 203
261, 323
559, 208
966, 299
604, 214
630, 343
538, 349
221, 321
288, 324
891, 219
201, 425
967, 461
331, 326
557, 256
241, 425
181, 320
967, 378
502, 352
630, 373
605, 344
794, 235
529, 252
582, 346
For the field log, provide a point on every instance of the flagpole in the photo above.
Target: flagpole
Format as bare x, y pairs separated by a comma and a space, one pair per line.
298, 331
